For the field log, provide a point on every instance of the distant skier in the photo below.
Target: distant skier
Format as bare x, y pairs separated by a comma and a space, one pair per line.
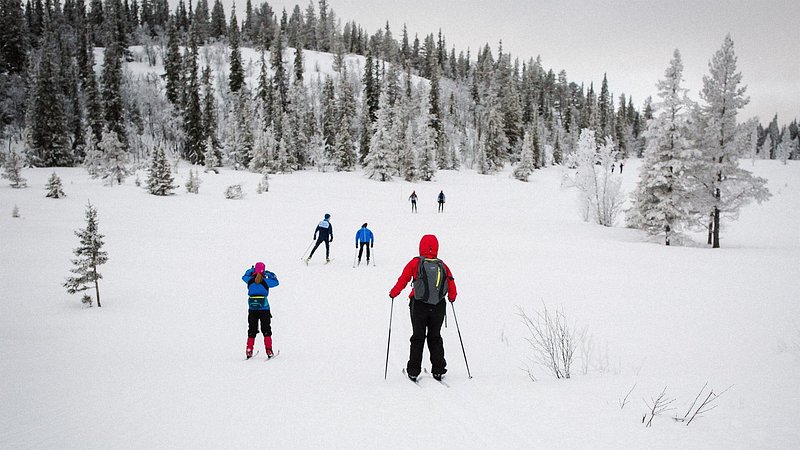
258, 282
413, 199
364, 238
432, 282
621, 165
440, 199
323, 233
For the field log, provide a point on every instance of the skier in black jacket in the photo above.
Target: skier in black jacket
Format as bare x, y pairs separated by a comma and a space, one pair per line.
323, 233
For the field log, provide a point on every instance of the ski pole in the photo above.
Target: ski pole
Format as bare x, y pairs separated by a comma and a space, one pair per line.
373, 256
354, 257
386, 368
304, 253
455, 318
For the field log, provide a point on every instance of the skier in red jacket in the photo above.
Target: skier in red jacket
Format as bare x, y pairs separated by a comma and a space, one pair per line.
432, 282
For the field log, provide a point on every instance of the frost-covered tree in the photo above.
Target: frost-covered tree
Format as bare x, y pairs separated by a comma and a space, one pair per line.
236, 77
89, 255
211, 156
425, 143
601, 197
264, 146
159, 179
12, 170
114, 158
785, 148
379, 159
725, 187
660, 199
54, 187
263, 185
526, 164
193, 182
234, 192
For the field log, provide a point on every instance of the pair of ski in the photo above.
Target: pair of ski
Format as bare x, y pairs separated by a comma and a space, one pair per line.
326, 261
268, 358
425, 372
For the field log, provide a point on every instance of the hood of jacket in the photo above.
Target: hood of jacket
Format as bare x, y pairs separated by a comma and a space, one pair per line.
429, 246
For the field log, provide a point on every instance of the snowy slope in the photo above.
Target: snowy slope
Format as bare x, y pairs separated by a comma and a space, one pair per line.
160, 364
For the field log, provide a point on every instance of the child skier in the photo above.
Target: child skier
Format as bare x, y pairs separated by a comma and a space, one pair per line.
432, 282
258, 282
364, 238
325, 232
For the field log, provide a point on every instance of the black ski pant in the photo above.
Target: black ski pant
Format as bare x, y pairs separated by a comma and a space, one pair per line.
361, 250
254, 317
441, 206
327, 248
426, 322
413, 206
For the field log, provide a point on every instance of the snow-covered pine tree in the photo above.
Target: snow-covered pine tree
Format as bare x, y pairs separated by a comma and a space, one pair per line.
785, 147
344, 149
12, 170
210, 156
114, 158
54, 188
525, 166
481, 161
661, 196
379, 160
172, 65
193, 182
111, 94
236, 77
159, 180
424, 142
193, 129
89, 255
725, 186
264, 146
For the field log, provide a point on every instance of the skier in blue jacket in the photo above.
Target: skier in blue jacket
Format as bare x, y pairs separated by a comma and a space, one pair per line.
364, 238
259, 280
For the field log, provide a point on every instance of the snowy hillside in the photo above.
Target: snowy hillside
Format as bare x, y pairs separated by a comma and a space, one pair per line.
160, 365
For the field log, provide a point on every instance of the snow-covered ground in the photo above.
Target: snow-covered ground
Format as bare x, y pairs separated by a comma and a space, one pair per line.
160, 365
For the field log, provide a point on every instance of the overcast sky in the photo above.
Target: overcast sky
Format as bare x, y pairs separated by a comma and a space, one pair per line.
632, 41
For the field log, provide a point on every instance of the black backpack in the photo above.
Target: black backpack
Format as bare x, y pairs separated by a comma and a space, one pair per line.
430, 284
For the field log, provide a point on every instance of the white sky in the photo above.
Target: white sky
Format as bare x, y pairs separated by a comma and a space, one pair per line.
632, 41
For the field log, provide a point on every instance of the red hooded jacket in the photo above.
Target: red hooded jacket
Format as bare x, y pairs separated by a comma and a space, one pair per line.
428, 248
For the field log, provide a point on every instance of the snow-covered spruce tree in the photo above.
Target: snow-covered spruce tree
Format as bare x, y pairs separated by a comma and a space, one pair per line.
600, 189
193, 182
211, 156
424, 142
378, 160
263, 146
159, 179
785, 148
114, 158
193, 130
89, 255
660, 199
54, 188
15, 212
236, 77
92, 162
525, 167
724, 186
111, 94
12, 170
344, 149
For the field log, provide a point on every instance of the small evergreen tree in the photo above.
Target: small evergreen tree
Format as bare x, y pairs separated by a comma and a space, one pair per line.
88, 257
54, 188
193, 183
12, 170
114, 158
525, 167
159, 181
263, 185
211, 156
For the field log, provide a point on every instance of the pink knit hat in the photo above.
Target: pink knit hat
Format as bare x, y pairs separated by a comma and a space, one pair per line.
260, 267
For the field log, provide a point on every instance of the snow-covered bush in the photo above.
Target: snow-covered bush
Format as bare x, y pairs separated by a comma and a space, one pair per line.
15, 212
263, 185
234, 192
601, 196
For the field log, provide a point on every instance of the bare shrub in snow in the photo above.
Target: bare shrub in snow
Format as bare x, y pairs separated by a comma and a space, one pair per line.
698, 407
624, 401
657, 406
552, 341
